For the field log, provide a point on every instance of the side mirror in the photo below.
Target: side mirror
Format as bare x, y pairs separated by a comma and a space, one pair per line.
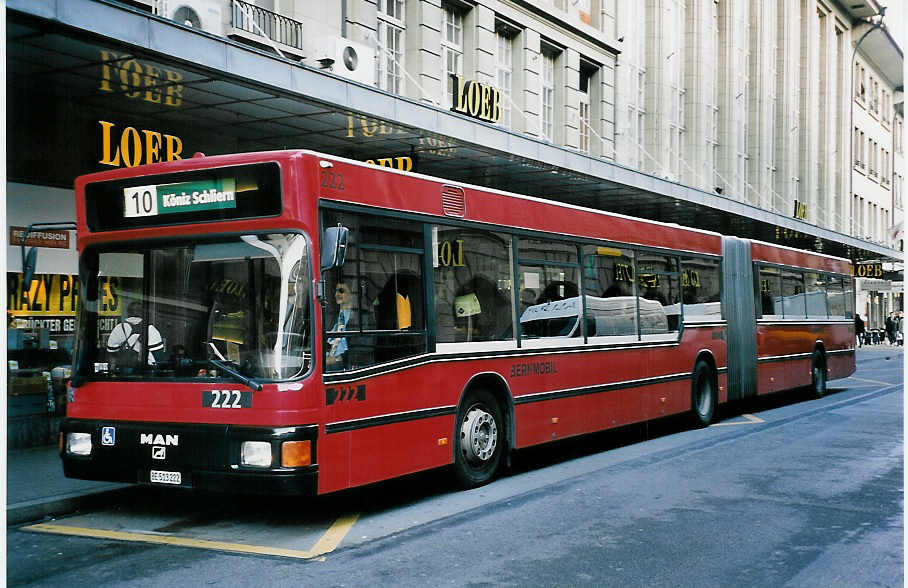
334, 247
30, 259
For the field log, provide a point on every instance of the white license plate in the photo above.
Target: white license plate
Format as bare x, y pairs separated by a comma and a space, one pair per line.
159, 477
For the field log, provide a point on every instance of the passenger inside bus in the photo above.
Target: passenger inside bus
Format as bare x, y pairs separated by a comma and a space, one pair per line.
398, 307
346, 351
481, 313
125, 340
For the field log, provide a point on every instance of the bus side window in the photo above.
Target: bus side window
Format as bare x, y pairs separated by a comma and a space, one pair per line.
770, 292
473, 296
398, 305
552, 269
793, 298
835, 297
815, 287
701, 281
658, 286
611, 303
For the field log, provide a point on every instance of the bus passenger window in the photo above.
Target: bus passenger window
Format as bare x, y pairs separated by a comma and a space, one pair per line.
660, 294
793, 294
835, 297
551, 269
701, 281
376, 307
815, 287
473, 297
611, 304
848, 290
770, 292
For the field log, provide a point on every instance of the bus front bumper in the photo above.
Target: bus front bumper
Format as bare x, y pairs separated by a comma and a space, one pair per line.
224, 458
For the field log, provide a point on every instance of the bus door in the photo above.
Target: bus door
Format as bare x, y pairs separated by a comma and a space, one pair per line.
740, 315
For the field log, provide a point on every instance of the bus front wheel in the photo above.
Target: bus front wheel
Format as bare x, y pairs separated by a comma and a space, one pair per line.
703, 395
479, 439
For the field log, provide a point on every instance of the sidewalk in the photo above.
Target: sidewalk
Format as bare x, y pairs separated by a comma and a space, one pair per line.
36, 486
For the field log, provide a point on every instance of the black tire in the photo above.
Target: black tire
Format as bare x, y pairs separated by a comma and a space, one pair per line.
703, 395
818, 375
479, 439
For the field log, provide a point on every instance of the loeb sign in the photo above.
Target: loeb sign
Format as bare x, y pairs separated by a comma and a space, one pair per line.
477, 100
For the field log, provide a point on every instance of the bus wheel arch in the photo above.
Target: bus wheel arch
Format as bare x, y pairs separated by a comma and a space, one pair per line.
483, 429
704, 389
818, 370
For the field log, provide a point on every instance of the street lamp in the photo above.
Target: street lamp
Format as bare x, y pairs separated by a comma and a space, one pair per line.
874, 25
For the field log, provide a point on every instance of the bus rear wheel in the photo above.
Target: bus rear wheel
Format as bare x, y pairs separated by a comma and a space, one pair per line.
703, 395
479, 438
818, 375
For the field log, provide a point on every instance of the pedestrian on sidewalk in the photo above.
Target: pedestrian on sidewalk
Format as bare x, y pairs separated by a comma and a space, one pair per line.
859, 329
890, 328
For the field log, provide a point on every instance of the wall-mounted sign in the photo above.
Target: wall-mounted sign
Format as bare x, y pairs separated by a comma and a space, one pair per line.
800, 210
137, 147
53, 239
868, 270
868, 285
477, 100
401, 163
140, 80
51, 301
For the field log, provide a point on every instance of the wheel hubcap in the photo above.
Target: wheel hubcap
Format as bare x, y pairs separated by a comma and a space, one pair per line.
478, 435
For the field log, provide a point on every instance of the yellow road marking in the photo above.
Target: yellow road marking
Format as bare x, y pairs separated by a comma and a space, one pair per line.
326, 544
751, 420
333, 536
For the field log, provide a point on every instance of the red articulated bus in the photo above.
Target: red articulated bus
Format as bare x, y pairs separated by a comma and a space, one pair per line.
292, 322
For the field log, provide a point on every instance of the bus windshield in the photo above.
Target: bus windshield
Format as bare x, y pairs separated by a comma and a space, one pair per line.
235, 308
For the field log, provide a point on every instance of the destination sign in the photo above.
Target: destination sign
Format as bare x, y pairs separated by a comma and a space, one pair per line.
139, 201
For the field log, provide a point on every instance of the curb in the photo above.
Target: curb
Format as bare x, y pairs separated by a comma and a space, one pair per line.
35, 510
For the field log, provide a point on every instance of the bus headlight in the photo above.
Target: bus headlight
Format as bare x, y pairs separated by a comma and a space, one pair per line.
256, 453
78, 443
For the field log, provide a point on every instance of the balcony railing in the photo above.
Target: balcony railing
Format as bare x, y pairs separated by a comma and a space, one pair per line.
264, 23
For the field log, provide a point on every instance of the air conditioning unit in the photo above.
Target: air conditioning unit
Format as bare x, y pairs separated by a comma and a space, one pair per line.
347, 58
204, 15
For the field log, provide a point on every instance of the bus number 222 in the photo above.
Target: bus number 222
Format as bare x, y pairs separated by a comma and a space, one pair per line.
226, 399
332, 180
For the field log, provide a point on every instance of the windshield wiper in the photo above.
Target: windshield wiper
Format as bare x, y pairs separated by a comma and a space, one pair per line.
223, 365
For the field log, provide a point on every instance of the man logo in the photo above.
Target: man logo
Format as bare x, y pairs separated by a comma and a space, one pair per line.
149, 439
158, 452
108, 436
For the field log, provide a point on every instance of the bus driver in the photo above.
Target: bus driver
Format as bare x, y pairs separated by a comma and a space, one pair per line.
125, 336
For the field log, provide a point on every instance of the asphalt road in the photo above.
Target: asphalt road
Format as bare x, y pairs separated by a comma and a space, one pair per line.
786, 492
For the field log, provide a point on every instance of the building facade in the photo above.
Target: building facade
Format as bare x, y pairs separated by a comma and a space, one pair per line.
748, 100
729, 115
